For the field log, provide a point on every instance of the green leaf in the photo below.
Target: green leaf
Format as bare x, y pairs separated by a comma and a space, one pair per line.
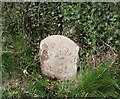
109, 39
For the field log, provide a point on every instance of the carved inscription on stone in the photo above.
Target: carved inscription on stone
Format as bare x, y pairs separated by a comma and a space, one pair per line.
58, 57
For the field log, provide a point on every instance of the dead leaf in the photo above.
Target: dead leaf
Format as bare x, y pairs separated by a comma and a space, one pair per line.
36, 95
56, 93
65, 96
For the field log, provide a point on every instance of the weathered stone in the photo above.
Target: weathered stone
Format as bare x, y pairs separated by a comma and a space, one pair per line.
58, 57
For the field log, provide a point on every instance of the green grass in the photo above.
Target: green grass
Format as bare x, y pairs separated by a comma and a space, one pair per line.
96, 83
99, 82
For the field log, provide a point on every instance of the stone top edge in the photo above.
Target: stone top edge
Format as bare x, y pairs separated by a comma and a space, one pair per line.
59, 36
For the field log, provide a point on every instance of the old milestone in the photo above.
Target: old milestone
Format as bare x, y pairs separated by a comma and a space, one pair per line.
58, 57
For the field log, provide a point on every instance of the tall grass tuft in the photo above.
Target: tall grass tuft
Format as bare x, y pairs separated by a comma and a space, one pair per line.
96, 83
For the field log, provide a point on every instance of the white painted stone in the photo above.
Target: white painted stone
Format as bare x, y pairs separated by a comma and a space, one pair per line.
58, 57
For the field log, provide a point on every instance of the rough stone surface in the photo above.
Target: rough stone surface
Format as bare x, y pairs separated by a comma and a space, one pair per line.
58, 57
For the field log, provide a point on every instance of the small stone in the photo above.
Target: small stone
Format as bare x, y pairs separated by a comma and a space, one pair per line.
58, 57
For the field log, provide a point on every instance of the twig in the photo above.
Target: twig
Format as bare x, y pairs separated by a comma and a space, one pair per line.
23, 23
108, 46
115, 55
38, 13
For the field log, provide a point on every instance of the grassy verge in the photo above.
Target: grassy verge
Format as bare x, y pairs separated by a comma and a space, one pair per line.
100, 82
